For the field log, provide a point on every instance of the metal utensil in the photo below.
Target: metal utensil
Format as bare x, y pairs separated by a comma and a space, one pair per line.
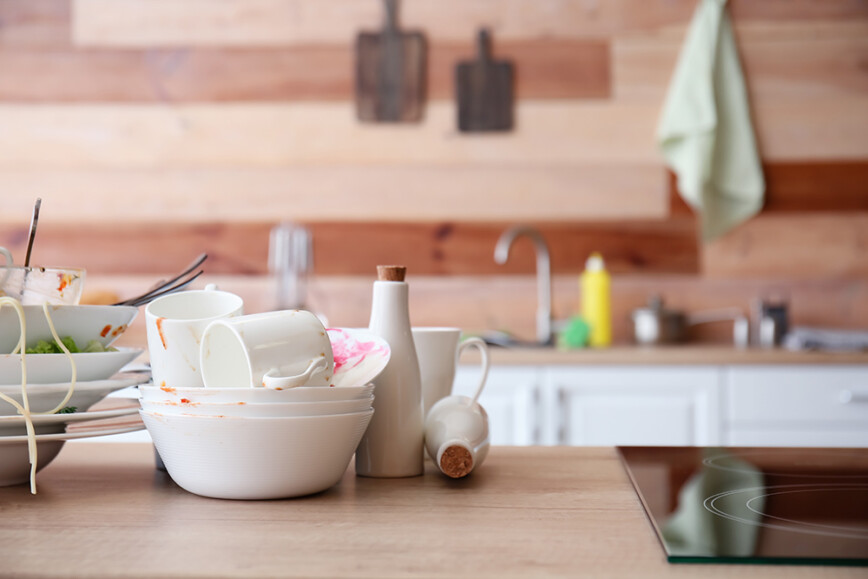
174, 284
33, 223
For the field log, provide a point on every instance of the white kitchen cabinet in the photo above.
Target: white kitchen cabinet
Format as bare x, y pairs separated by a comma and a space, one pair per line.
796, 406
637, 405
511, 399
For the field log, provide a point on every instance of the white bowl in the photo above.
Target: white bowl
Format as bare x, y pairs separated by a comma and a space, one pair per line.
82, 323
254, 395
258, 409
256, 458
44, 397
15, 460
36, 285
54, 368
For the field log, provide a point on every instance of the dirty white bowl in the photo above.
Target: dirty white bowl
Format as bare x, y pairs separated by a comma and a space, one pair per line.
258, 409
256, 458
36, 285
151, 393
82, 323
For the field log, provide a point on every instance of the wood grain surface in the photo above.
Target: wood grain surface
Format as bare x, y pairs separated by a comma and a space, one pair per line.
403, 193
555, 512
203, 22
353, 248
150, 123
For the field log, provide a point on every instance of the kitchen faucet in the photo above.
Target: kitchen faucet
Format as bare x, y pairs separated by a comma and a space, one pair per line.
543, 275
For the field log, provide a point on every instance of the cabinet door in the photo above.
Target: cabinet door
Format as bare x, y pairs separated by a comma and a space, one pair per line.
605, 406
511, 399
796, 406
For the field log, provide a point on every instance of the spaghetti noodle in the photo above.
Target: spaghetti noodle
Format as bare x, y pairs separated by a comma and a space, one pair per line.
24, 407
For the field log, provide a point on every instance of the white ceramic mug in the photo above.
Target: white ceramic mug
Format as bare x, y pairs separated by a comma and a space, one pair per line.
438, 351
175, 324
276, 350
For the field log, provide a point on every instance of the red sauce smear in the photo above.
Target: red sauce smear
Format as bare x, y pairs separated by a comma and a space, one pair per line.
160, 331
106, 330
119, 330
185, 400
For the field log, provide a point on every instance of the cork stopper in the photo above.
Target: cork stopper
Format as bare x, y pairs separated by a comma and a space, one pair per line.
456, 462
391, 272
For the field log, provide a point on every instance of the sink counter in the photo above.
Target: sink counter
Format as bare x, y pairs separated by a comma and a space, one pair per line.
104, 511
664, 355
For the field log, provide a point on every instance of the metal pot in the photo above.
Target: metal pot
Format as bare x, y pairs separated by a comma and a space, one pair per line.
655, 324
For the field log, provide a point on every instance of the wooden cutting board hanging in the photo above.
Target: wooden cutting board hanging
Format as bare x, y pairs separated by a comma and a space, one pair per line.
484, 90
390, 72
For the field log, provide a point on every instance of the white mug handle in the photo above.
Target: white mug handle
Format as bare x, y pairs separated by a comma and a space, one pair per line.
480, 345
270, 380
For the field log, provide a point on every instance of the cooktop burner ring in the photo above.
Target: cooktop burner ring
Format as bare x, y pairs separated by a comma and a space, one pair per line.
711, 462
711, 505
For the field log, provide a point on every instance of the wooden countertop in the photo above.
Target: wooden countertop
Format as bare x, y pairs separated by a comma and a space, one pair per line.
104, 511
664, 355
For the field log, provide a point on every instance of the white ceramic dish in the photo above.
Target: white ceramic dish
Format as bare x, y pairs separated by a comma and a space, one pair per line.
36, 285
15, 425
256, 458
82, 323
44, 397
15, 459
258, 410
254, 395
360, 356
52, 368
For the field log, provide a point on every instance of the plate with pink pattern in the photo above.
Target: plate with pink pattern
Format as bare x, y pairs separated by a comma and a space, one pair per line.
360, 355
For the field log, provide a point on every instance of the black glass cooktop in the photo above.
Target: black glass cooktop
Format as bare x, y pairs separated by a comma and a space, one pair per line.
755, 505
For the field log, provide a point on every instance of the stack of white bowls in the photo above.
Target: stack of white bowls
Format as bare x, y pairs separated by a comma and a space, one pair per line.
256, 443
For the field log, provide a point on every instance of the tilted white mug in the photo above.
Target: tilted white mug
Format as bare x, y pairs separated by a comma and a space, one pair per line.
175, 324
276, 350
438, 351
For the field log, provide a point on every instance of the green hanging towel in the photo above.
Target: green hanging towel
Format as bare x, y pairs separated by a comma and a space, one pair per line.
705, 131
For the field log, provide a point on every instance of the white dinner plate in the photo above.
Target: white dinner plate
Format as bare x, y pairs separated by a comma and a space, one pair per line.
44, 397
4, 440
360, 355
39, 419
53, 368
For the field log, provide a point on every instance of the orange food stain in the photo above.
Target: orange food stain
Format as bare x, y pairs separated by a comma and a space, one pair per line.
119, 330
185, 400
165, 388
64, 278
106, 330
160, 331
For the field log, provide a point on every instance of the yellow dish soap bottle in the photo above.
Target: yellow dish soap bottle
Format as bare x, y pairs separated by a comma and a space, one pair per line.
596, 288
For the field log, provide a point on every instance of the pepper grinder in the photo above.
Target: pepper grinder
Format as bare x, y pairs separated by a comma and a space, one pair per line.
393, 443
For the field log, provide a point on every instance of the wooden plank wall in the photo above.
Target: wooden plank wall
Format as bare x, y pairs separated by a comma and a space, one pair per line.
156, 130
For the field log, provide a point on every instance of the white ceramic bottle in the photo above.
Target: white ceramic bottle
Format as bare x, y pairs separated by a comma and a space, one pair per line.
456, 435
393, 443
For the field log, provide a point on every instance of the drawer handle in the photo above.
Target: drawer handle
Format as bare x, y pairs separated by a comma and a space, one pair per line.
850, 397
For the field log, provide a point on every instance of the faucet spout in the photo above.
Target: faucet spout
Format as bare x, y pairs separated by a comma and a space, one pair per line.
543, 275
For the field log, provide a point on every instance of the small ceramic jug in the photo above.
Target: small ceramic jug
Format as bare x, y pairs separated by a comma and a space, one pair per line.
456, 435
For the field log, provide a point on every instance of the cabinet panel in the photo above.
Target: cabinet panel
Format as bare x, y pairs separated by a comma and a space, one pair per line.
511, 399
774, 394
633, 406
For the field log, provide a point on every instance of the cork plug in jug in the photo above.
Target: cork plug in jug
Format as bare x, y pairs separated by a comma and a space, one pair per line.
393, 443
